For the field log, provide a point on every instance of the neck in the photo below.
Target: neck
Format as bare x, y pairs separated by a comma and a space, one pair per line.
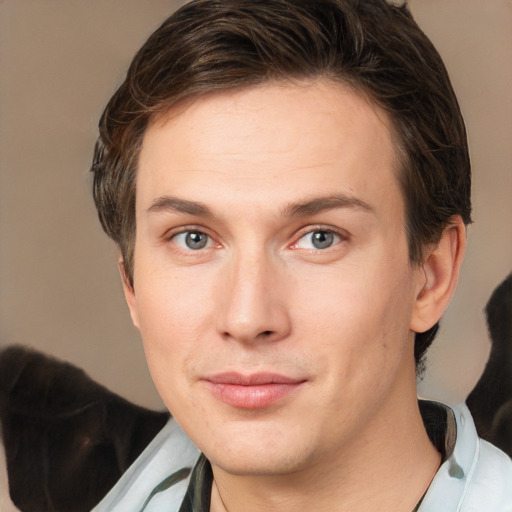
389, 466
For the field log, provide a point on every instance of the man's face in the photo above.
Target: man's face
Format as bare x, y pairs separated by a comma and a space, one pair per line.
272, 284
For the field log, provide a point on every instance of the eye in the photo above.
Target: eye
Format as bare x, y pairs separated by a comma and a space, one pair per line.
192, 240
318, 240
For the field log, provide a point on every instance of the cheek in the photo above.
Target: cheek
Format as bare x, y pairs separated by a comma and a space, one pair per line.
174, 327
173, 302
355, 297
360, 314
174, 311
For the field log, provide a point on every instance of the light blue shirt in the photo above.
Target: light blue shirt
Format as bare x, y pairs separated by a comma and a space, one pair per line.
476, 477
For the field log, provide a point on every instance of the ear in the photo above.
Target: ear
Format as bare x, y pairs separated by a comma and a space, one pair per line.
129, 292
438, 276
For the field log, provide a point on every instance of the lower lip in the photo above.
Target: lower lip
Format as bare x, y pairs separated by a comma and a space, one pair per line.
257, 396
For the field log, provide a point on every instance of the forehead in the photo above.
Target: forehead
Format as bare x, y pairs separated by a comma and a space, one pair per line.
268, 142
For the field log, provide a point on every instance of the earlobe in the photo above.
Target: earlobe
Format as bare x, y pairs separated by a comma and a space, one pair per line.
129, 292
438, 276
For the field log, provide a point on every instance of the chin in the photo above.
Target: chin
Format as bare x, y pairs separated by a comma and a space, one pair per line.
258, 452
259, 464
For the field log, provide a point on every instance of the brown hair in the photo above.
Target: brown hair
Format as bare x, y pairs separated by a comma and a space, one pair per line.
374, 46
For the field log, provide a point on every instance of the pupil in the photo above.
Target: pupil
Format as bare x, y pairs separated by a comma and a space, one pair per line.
196, 240
322, 239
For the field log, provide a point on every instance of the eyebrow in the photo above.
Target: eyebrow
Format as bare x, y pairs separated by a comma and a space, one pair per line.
302, 209
165, 203
321, 204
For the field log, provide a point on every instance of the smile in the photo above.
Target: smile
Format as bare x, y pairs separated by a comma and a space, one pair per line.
256, 391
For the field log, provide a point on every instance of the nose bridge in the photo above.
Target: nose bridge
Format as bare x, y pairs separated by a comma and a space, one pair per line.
252, 306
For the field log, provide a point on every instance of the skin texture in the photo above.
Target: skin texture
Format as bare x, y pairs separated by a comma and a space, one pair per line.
258, 170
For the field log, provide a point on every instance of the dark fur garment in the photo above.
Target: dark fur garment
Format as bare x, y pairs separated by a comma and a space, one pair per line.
67, 439
490, 402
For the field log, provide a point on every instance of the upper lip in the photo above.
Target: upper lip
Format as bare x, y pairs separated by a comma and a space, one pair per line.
253, 379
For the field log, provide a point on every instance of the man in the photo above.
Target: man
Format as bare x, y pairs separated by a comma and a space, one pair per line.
288, 184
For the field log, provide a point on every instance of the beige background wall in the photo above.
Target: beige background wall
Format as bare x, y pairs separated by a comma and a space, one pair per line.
59, 291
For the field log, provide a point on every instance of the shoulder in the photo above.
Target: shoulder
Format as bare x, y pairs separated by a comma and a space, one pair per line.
491, 482
475, 476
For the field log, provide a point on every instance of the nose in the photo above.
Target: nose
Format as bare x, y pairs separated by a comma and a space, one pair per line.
252, 301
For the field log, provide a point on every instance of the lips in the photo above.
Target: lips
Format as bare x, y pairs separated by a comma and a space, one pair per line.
255, 391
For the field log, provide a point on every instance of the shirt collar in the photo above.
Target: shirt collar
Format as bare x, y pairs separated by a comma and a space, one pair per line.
197, 498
